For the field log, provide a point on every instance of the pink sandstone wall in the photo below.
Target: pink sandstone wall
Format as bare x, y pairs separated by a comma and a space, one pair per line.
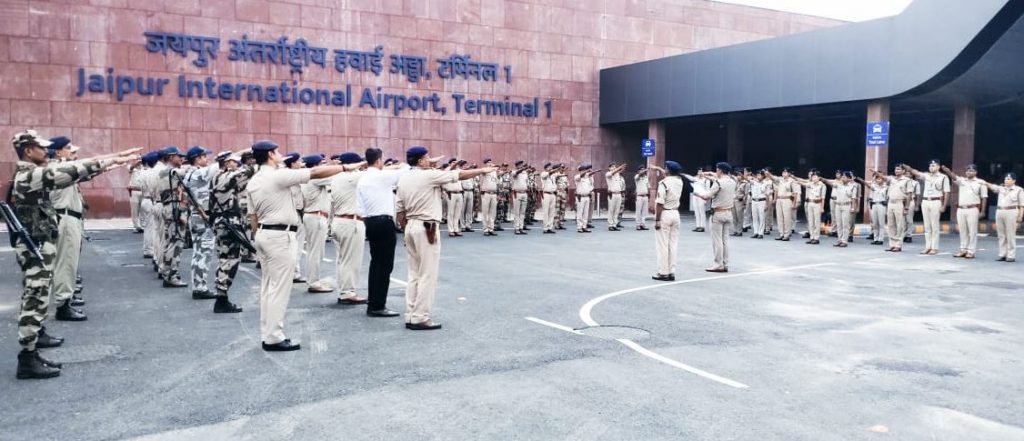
555, 48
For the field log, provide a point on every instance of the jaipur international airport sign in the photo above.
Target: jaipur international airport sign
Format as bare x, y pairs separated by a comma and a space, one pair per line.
299, 55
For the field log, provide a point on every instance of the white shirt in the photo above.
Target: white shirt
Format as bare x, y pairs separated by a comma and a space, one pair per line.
375, 193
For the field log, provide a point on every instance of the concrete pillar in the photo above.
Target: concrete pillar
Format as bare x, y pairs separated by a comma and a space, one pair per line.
734, 141
656, 131
875, 157
963, 146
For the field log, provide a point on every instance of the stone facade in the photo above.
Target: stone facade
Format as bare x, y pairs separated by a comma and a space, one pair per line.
555, 49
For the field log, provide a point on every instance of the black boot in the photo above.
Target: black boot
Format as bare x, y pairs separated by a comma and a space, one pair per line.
202, 295
31, 366
77, 300
49, 363
174, 282
223, 306
66, 313
44, 340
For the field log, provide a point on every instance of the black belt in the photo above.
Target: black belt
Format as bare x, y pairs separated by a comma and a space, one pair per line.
759, 200
71, 213
378, 217
279, 227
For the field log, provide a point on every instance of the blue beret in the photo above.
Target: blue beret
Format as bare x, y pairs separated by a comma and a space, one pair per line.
518, 163
312, 160
1011, 175
673, 166
972, 167
195, 152
290, 158
150, 158
349, 158
588, 166
59, 142
486, 160
934, 161
170, 151
336, 157
416, 151
724, 167
264, 145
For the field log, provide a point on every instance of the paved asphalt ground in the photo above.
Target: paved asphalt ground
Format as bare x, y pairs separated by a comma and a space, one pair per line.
797, 342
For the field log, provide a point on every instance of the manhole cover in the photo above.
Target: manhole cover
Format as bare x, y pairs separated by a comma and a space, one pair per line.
82, 354
614, 332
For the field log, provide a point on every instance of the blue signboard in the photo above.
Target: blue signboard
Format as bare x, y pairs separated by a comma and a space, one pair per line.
877, 134
647, 148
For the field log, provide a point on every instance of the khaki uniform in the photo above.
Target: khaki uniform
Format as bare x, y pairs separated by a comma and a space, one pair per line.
489, 200
456, 204
642, 181
584, 190
740, 206
759, 193
666, 239
722, 192
548, 207
787, 190
270, 200
67, 202
135, 197
1007, 214
912, 205
698, 205
846, 195
520, 187
878, 199
156, 232
347, 230
469, 202
316, 216
935, 186
972, 191
813, 206
616, 191
419, 198
898, 195
299, 247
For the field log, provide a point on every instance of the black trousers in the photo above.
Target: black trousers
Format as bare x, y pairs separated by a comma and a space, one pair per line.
380, 231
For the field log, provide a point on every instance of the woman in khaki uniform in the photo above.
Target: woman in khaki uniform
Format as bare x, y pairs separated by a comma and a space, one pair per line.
1009, 214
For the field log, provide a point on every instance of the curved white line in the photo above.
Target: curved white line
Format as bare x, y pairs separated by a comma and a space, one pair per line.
587, 308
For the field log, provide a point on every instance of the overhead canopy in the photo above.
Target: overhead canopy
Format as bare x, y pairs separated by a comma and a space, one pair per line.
937, 52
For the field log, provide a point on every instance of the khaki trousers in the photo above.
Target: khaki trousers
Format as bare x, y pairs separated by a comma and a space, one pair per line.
1006, 228
895, 223
642, 206
909, 230
666, 241
455, 206
813, 212
276, 252
930, 214
967, 223
548, 211
519, 209
135, 202
582, 212
349, 238
148, 230
316, 239
720, 223
489, 210
738, 209
784, 215
844, 216
614, 209
298, 247
757, 216
157, 223
65, 265
878, 221
424, 260
468, 204
700, 207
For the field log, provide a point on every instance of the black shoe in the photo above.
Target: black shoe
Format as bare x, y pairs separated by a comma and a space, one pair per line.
871, 237
53, 364
44, 340
549, 231
746, 229
31, 366
78, 289
560, 227
664, 277
425, 326
1008, 259
77, 300
908, 240
877, 242
138, 231
174, 283
807, 235
66, 313
248, 260
147, 256
78, 280
785, 239
203, 295
382, 313
499, 229
778, 238
298, 280
223, 306
283, 346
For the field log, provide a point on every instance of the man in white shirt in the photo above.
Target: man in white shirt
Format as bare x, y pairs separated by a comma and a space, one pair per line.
375, 200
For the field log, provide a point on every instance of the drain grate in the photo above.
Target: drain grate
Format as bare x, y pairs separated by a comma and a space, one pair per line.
614, 332
82, 354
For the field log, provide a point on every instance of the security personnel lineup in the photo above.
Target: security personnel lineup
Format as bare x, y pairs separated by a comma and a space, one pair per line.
277, 210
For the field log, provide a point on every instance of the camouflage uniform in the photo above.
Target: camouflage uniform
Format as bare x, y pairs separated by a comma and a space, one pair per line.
562, 194
197, 180
504, 197
225, 209
173, 217
31, 189
243, 207
531, 198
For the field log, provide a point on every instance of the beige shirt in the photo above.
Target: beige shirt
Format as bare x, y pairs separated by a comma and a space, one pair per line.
270, 194
489, 182
815, 191
419, 193
548, 182
844, 192
786, 188
722, 192
1012, 197
879, 192
343, 192
670, 191
315, 195
972, 191
469, 184
935, 184
615, 182
900, 189
67, 198
520, 181
760, 189
584, 185
643, 184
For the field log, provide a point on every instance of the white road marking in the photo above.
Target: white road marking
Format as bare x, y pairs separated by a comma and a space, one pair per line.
553, 325
400, 282
585, 315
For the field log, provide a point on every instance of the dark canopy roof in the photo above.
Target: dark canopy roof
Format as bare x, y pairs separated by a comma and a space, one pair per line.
935, 52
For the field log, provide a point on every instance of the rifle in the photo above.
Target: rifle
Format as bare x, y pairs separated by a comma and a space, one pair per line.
16, 230
232, 229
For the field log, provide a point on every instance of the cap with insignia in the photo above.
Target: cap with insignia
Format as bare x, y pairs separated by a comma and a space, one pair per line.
673, 166
972, 167
61, 142
223, 155
170, 151
195, 152
312, 160
349, 158
290, 158
150, 158
416, 151
264, 145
